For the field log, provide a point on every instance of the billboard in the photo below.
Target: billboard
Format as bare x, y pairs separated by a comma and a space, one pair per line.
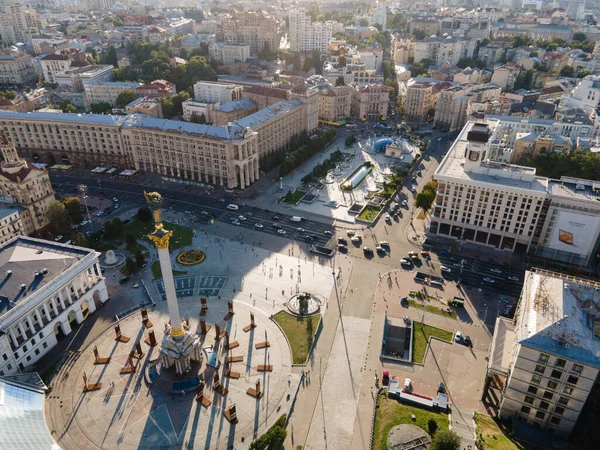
575, 233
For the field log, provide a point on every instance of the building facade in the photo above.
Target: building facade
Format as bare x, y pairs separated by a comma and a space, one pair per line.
335, 103
254, 29
16, 70
215, 92
59, 62
228, 53
306, 36
52, 288
11, 224
106, 91
370, 101
421, 95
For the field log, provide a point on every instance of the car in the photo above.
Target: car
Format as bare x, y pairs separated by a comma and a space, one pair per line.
115, 199
342, 241
300, 229
85, 222
443, 252
242, 217
414, 179
413, 190
445, 269
204, 213
275, 217
342, 248
123, 280
408, 384
58, 238
277, 226
280, 231
384, 244
135, 285
404, 203
237, 222
494, 270
505, 299
439, 139
405, 262
506, 311
116, 206
100, 213
388, 219
249, 214
368, 250
513, 278
356, 240
419, 173
441, 388
380, 249
327, 233
425, 254
350, 233
459, 265
443, 155
309, 238
258, 225
222, 199
404, 301
467, 341
458, 337
488, 280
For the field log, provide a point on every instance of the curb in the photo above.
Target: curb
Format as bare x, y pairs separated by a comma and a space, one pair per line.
373, 418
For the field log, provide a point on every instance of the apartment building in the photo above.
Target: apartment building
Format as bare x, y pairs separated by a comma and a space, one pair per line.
73, 79
548, 32
586, 95
421, 96
106, 91
60, 62
380, 15
18, 22
265, 96
27, 101
305, 36
444, 50
192, 109
251, 28
149, 106
11, 224
51, 288
228, 53
215, 92
335, 103
24, 185
452, 105
505, 76
402, 49
370, 101
543, 364
233, 110
16, 70
158, 88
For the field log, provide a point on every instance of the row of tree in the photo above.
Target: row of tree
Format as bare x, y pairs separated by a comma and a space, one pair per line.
311, 147
555, 165
425, 198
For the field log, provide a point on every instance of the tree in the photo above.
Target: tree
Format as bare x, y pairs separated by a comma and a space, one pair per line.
125, 97
198, 118
101, 108
144, 214
579, 36
424, 200
110, 56
266, 53
79, 240
445, 440
167, 107
432, 426
73, 208
567, 71
58, 217
316, 60
340, 81
67, 107
583, 74
140, 259
177, 101
130, 266
183, 53
130, 240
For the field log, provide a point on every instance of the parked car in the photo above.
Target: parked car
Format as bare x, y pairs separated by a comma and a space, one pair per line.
309, 238
405, 262
368, 250
488, 280
123, 280
350, 233
115, 199
384, 244
277, 226
494, 270
356, 240
408, 385
342, 241
242, 217
505, 299
328, 233
445, 269
513, 278
388, 219
380, 249
405, 203
467, 341
342, 248
275, 217
458, 337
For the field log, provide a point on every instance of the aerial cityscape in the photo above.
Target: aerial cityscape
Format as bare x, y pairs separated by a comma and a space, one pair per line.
343, 225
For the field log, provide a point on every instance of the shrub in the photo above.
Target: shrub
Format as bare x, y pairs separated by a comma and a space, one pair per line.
274, 437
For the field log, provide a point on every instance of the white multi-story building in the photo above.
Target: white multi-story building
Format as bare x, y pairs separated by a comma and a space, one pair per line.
180, 26
16, 70
48, 289
306, 36
228, 53
452, 103
11, 224
576, 9
73, 79
215, 92
444, 50
544, 363
380, 15
586, 95
192, 108
106, 91
60, 62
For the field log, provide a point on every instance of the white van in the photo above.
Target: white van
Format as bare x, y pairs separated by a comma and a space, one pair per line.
296, 219
233, 207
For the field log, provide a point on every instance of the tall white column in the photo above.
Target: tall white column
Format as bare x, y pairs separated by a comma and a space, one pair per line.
13, 338
246, 175
98, 270
21, 330
38, 316
256, 170
62, 302
68, 290
46, 313
92, 275
165, 265
53, 303
242, 179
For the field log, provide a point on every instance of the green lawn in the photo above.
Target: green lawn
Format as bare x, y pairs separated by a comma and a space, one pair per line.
293, 198
390, 413
369, 213
421, 335
157, 272
432, 309
300, 333
495, 434
182, 236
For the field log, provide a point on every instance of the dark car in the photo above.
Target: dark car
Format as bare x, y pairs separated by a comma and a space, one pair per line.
467, 341
309, 238
275, 217
441, 388
342, 241
276, 225
123, 280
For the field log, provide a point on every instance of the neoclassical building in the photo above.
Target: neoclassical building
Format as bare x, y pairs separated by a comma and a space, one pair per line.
46, 289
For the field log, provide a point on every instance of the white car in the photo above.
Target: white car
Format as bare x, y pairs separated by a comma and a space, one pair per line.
404, 203
300, 229
384, 243
445, 269
439, 139
281, 231
85, 222
356, 240
494, 270
350, 233
458, 337
407, 384
242, 217
249, 214
115, 199
328, 233
259, 225
100, 213
237, 222
58, 238
204, 213
405, 262
379, 248
513, 278
488, 280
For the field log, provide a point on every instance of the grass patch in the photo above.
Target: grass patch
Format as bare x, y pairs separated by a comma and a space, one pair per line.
157, 272
293, 198
433, 309
421, 335
390, 413
182, 236
494, 434
300, 333
369, 213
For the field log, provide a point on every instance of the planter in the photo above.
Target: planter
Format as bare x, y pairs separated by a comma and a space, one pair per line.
191, 257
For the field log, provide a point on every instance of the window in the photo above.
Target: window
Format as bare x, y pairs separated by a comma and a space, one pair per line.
555, 420
5, 357
529, 399
577, 368
9, 367
543, 359
548, 395
560, 363
573, 379
559, 410
556, 374
540, 415
568, 390
525, 409
536, 379
544, 405
540, 368
24, 348
28, 358
563, 401
552, 384
532, 390
45, 345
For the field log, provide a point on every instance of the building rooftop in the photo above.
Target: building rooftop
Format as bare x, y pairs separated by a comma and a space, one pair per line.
27, 265
97, 119
236, 105
7, 211
268, 113
575, 189
560, 316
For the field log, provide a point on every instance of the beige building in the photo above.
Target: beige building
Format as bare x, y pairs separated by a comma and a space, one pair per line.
158, 88
265, 96
254, 29
232, 111
60, 62
402, 49
106, 91
150, 106
16, 70
18, 22
215, 92
24, 185
452, 105
370, 102
27, 101
228, 53
421, 96
544, 363
506, 76
531, 145
335, 103
11, 224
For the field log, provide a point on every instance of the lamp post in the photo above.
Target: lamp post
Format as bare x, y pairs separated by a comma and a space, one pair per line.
83, 191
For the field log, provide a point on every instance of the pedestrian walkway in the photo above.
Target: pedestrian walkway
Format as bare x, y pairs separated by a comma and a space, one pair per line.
461, 422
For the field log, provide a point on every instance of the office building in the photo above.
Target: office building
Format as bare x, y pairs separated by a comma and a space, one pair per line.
370, 101
106, 91
421, 96
335, 103
16, 70
11, 224
544, 363
228, 53
47, 290
215, 92
254, 29
305, 36
73, 79
60, 62
380, 15
233, 110
149, 106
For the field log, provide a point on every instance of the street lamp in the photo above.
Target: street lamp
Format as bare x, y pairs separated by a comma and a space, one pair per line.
83, 191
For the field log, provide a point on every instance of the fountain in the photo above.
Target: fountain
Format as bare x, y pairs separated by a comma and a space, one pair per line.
110, 258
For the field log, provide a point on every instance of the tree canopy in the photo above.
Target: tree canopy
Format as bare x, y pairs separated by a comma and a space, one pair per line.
125, 97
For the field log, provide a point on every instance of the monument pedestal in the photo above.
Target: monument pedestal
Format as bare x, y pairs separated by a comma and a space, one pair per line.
179, 352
